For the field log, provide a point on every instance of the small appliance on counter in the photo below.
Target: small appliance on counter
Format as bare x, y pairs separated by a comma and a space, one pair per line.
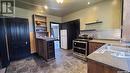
80, 46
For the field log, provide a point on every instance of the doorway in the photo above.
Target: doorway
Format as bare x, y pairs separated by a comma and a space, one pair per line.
18, 45
55, 33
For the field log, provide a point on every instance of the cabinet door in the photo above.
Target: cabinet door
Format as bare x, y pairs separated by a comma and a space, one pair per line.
3, 49
96, 67
41, 48
50, 49
18, 38
93, 46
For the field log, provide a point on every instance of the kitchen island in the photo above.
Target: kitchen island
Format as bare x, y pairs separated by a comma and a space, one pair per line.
45, 48
109, 59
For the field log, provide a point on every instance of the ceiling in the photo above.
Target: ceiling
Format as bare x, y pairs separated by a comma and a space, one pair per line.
54, 8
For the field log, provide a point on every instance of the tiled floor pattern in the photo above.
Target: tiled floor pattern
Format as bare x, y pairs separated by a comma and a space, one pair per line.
65, 62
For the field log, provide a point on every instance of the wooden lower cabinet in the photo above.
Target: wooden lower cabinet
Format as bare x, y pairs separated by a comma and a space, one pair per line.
46, 49
93, 46
96, 67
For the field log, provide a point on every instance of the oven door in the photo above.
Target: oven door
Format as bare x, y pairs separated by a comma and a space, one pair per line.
80, 44
80, 47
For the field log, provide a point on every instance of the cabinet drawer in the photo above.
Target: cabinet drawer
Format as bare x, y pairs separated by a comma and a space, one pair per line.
77, 50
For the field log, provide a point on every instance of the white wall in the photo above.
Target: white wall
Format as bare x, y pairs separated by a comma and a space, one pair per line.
126, 21
24, 13
108, 11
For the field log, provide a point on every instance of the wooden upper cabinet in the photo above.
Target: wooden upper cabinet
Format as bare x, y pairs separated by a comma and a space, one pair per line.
40, 26
93, 46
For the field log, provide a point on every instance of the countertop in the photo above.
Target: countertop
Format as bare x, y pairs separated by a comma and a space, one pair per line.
105, 57
47, 38
113, 42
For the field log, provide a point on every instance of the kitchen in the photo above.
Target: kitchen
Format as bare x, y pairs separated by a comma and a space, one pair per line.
93, 37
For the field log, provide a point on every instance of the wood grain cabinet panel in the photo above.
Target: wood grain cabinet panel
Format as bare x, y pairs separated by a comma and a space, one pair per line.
96, 67
93, 46
46, 49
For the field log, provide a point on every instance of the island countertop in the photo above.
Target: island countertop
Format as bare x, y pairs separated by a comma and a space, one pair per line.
103, 56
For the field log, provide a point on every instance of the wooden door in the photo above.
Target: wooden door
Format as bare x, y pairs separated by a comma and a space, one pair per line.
3, 49
18, 38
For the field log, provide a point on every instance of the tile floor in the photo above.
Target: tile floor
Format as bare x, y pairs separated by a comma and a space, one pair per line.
65, 62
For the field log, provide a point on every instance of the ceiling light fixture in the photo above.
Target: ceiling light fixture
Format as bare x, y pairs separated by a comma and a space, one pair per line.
46, 7
59, 1
88, 3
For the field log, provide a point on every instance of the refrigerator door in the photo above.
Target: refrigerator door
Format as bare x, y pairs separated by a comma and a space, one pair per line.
63, 34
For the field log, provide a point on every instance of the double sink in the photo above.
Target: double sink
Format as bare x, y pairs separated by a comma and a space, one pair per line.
116, 51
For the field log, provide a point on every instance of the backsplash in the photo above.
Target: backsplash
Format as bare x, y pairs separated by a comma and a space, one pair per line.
104, 34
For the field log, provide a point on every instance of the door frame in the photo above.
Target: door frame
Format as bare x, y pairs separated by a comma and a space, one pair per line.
59, 31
